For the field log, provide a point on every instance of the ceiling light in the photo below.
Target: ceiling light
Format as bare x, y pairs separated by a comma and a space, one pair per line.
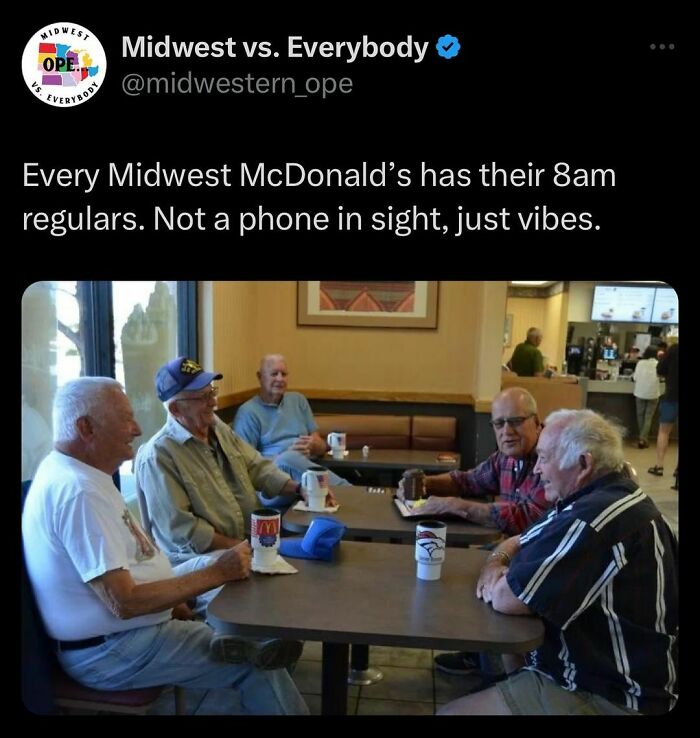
533, 284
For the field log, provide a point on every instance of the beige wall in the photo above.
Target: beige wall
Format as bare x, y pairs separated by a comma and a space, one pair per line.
547, 313
249, 319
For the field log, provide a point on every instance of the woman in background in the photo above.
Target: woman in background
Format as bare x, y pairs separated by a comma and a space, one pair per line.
646, 393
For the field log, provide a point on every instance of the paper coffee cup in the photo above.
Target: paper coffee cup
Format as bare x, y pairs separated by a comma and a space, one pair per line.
431, 538
429, 572
265, 535
316, 500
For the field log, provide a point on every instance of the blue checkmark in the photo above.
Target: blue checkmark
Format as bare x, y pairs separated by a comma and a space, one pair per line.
448, 46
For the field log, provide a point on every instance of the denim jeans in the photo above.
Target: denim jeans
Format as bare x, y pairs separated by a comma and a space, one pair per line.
177, 652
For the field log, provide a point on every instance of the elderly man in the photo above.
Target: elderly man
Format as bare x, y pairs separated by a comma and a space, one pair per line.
601, 570
197, 476
527, 360
280, 424
508, 474
106, 594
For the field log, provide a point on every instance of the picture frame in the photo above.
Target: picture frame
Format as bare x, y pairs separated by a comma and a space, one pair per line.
508, 330
368, 304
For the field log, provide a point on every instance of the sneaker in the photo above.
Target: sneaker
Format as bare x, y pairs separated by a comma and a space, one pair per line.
273, 653
657, 471
457, 663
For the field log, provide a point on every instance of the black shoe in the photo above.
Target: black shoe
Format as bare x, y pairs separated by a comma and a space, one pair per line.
457, 663
273, 653
657, 471
642, 444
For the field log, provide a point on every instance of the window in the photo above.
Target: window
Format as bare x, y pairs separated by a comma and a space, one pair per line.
124, 330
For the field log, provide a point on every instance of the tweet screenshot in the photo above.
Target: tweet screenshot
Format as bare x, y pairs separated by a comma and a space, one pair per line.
230, 371
444, 141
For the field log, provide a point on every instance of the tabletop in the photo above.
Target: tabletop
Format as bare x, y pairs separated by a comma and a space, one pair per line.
369, 594
395, 459
374, 515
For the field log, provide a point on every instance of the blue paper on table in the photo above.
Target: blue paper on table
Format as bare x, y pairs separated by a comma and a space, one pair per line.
321, 537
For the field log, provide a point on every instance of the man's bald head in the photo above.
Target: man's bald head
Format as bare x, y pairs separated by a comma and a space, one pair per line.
272, 376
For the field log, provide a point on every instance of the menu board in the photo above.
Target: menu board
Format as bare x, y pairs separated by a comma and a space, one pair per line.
623, 304
665, 306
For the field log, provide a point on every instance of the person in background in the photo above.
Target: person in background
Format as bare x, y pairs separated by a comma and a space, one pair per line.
508, 475
280, 424
632, 355
646, 392
527, 360
197, 476
110, 600
668, 409
601, 570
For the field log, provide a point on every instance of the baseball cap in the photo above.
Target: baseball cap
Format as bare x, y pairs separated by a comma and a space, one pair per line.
182, 374
321, 537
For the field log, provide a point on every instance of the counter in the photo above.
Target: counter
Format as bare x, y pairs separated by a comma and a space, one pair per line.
610, 386
614, 399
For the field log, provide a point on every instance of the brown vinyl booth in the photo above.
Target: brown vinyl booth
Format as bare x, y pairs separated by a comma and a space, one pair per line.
432, 433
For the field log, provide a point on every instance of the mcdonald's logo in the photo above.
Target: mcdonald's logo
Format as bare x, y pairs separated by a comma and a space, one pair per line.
266, 527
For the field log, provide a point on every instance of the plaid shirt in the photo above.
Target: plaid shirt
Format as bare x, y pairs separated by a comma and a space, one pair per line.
520, 494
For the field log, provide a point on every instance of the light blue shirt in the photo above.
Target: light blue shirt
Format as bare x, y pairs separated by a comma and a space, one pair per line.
270, 428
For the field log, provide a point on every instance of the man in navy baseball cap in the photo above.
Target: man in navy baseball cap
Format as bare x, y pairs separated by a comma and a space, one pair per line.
182, 374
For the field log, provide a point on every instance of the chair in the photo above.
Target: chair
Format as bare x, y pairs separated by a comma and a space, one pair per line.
46, 688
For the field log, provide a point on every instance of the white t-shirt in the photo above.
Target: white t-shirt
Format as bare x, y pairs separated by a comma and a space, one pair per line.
646, 383
76, 527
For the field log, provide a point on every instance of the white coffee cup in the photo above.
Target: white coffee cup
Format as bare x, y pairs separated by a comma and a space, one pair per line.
265, 535
337, 442
431, 539
315, 481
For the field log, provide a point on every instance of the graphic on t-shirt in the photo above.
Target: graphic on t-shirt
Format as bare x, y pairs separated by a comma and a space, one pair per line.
145, 549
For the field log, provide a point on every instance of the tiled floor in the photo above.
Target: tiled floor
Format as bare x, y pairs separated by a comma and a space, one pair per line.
411, 685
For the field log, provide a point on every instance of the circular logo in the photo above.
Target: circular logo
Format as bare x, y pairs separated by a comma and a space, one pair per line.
64, 64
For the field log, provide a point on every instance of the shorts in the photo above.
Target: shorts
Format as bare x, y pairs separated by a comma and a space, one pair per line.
531, 693
668, 411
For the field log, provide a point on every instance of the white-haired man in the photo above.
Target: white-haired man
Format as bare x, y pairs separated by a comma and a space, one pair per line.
108, 597
280, 424
601, 570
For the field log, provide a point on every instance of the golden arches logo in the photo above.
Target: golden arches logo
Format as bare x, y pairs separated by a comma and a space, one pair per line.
269, 527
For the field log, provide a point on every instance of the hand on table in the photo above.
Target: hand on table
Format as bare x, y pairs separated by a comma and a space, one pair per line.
493, 570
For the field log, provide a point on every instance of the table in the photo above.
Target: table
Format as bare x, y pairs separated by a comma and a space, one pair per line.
370, 594
375, 516
398, 459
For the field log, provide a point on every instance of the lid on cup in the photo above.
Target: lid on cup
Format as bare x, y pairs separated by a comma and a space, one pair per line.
413, 473
318, 542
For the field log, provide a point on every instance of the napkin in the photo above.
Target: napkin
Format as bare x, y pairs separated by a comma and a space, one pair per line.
301, 506
279, 567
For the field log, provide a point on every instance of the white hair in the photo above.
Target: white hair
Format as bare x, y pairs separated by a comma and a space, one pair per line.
78, 399
582, 432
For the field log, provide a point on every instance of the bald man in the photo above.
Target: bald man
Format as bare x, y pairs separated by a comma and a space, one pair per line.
280, 424
508, 475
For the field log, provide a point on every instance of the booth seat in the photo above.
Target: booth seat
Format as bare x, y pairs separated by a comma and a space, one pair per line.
426, 432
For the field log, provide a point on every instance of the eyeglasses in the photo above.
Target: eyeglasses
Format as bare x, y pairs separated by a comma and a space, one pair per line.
212, 394
515, 422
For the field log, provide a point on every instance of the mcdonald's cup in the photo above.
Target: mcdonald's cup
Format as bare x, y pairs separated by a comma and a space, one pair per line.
265, 535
